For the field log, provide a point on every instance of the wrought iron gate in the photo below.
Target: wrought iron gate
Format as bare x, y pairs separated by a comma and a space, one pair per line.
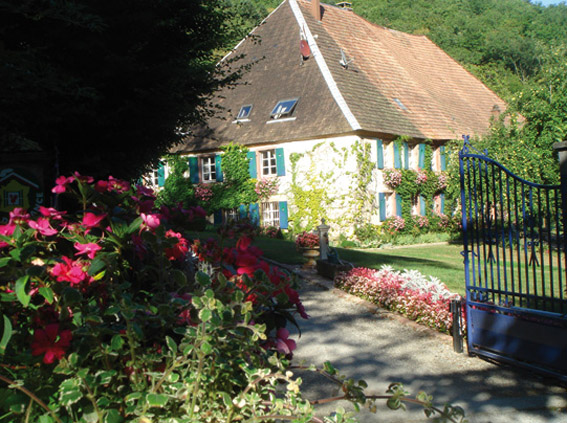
515, 266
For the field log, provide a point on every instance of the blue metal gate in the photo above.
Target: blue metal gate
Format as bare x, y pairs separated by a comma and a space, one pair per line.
515, 266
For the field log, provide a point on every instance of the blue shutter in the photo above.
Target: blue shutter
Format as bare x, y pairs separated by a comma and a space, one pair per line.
422, 205
242, 211
398, 205
194, 170
396, 155
280, 162
380, 154
218, 217
218, 168
161, 174
442, 198
406, 155
442, 157
251, 155
421, 164
382, 206
255, 214
283, 215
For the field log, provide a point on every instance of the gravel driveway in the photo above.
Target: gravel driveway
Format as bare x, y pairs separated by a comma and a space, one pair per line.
368, 343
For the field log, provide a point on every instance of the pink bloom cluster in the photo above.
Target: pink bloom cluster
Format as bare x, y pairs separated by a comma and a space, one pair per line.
422, 222
203, 192
265, 188
307, 240
393, 177
442, 181
408, 293
394, 224
420, 177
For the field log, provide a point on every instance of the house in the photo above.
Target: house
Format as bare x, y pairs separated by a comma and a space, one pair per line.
323, 106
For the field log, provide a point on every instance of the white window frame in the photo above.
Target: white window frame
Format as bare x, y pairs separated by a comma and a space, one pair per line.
232, 215
271, 214
268, 164
208, 169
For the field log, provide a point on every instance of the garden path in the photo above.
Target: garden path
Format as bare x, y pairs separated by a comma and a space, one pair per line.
366, 342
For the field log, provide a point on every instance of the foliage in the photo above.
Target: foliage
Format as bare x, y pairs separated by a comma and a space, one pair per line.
267, 187
177, 188
361, 195
369, 235
408, 293
112, 323
139, 72
307, 240
237, 187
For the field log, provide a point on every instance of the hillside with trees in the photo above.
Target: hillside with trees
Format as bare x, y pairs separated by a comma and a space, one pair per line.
517, 48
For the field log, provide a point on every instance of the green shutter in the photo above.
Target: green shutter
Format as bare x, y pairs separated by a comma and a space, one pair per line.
406, 155
161, 174
398, 205
194, 170
396, 155
382, 206
442, 157
255, 213
251, 155
283, 215
380, 154
422, 205
218, 217
280, 162
442, 197
218, 168
421, 164
242, 211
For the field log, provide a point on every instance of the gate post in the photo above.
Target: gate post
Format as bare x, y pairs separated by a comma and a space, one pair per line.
561, 148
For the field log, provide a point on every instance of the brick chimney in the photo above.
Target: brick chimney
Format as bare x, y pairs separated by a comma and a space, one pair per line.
316, 9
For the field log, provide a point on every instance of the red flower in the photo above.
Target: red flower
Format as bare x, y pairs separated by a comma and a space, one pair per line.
6, 230
283, 344
61, 184
51, 212
69, 271
52, 342
90, 220
151, 221
43, 226
180, 249
19, 216
89, 249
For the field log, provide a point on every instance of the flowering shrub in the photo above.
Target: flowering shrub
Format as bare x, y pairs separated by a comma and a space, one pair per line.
272, 232
442, 181
307, 240
265, 188
392, 177
422, 222
203, 192
409, 293
394, 225
420, 177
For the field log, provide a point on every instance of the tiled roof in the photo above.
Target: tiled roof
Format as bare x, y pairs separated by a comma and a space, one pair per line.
398, 84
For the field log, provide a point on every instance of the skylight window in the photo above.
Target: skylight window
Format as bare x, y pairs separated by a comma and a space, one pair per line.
284, 108
399, 103
244, 112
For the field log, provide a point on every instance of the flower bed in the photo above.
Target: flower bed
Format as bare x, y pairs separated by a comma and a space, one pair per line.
410, 293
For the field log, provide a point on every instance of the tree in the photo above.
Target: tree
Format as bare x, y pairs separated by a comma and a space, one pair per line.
106, 85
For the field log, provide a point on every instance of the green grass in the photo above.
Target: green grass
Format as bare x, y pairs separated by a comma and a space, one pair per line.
441, 261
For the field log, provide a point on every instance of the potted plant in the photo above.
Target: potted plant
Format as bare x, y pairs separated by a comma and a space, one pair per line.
308, 244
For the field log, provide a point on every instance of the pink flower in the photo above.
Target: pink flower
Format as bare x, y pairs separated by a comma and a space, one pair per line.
51, 212
6, 230
117, 185
90, 220
145, 191
19, 216
151, 221
101, 186
51, 342
69, 271
81, 178
180, 249
43, 226
89, 249
61, 184
283, 344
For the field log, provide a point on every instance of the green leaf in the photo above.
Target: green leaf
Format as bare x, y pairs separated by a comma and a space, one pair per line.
70, 393
16, 254
47, 293
132, 397
134, 226
171, 344
206, 348
21, 293
71, 296
6, 335
112, 416
116, 343
96, 266
205, 315
34, 271
4, 261
156, 400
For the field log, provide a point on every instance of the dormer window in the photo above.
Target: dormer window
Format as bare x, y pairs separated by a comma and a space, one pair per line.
244, 112
284, 109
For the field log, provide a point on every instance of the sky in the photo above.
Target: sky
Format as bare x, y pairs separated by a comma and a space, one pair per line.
548, 2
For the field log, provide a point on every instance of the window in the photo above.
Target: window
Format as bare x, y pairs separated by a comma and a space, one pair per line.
232, 215
269, 164
244, 112
284, 108
271, 214
208, 169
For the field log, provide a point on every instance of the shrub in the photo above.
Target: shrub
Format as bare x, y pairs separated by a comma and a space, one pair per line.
307, 240
409, 293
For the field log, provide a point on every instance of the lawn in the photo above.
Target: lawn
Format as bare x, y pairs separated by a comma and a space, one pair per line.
442, 261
